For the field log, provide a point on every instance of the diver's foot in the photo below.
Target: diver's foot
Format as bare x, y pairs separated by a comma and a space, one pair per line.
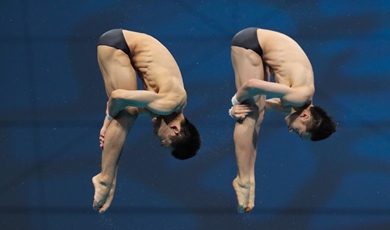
104, 194
245, 196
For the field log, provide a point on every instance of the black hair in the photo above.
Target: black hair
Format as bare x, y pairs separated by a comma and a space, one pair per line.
187, 143
321, 126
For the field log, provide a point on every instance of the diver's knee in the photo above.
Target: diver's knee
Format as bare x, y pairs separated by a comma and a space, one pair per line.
131, 111
128, 114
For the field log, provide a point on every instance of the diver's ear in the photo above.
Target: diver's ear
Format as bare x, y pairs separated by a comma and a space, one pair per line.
305, 115
175, 129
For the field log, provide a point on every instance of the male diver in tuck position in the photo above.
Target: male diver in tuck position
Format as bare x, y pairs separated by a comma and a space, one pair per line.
122, 53
256, 54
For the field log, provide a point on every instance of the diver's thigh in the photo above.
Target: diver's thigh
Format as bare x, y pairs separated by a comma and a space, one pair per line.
116, 69
247, 64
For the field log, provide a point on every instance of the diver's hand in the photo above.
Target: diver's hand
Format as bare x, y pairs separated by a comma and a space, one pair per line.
240, 111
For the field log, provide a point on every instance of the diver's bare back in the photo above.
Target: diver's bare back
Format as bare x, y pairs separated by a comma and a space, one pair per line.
155, 64
286, 59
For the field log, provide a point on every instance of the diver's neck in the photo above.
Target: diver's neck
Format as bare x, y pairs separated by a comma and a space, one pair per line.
301, 108
173, 117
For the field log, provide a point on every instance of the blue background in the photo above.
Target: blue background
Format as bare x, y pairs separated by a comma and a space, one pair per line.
53, 103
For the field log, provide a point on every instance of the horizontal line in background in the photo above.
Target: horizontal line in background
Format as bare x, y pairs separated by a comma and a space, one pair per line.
89, 123
45, 124
41, 39
219, 37
199, 210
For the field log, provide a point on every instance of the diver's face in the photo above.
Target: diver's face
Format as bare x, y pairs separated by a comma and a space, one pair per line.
163, 131
297, 124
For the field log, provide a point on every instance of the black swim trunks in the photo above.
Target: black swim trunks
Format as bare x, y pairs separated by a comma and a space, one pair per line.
247, 38
115, 38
